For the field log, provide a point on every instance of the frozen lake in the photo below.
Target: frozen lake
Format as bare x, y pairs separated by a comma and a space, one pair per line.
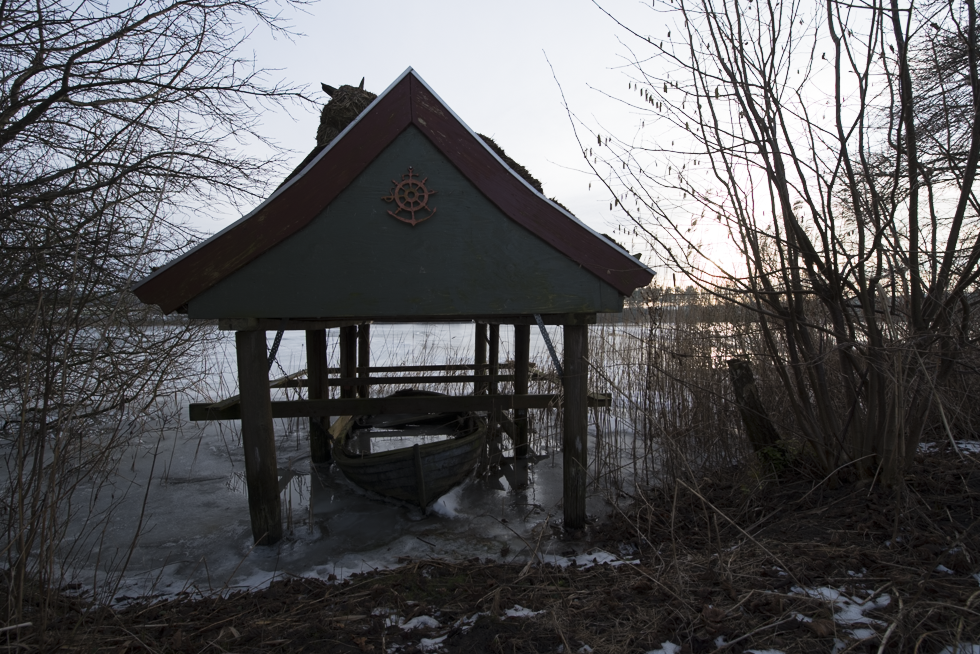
181, 490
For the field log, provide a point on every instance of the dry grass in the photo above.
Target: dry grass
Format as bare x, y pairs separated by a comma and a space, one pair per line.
717, 567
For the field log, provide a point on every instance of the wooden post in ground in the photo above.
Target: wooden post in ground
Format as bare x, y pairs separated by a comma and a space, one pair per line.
522, 355
316, 374
363, 356
758, 427
480, 358
494, 338
258, 438
493, 387
348, 358
575, 383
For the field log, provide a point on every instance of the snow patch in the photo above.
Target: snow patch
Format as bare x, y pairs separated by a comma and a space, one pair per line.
863, 633
520, 612
448, 506
420, 621
467, 622
969, 447
848, 611
584, 561
666, 647
431, 644
961, 648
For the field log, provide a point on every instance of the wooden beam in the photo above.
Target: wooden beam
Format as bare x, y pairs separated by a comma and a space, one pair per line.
294, 380
480, 357
575, 383
363, 356
379, 381
416, 379
522, 354
275, 324
380, 405
258, 437
289, 381
316, 364
377, 405
546, 318
303, 324
435, 368
348, 359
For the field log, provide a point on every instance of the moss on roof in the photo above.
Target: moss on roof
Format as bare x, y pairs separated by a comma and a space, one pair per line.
348, 102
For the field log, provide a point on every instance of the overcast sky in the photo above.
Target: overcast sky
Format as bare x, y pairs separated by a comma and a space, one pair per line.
488, 61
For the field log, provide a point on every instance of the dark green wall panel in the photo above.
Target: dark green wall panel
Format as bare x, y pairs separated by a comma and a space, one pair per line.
354, 259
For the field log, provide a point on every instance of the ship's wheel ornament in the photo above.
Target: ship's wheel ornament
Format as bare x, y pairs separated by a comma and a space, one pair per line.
411, 197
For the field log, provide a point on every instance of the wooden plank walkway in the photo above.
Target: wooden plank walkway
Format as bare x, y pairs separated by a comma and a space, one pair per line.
379, 405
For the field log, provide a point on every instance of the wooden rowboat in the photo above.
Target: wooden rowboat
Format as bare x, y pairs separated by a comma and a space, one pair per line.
367, 451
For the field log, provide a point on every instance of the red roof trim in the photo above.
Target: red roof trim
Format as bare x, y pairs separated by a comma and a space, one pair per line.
407, 101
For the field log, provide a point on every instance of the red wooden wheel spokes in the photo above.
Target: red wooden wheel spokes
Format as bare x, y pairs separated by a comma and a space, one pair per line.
410, 195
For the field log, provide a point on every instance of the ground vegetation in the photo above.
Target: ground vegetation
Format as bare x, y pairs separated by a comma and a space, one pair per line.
727, 564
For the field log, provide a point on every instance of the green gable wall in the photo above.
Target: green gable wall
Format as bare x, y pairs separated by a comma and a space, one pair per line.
355, 260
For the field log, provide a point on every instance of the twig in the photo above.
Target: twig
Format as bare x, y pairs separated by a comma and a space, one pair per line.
16, 626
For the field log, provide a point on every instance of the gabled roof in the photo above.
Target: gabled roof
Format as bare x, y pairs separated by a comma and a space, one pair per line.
408, 101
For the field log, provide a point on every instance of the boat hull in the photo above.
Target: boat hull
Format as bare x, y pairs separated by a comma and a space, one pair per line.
419, 474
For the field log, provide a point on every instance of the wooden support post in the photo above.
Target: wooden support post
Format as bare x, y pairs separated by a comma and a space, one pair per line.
522, 355
316, 373
493, 386
761, 432
480, 358
258, 438
575, 383
348, 358
494, 338
363, 356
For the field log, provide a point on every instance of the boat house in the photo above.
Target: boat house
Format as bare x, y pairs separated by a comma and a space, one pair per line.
405, 216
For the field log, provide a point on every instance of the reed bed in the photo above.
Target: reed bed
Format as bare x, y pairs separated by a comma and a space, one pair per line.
665, 364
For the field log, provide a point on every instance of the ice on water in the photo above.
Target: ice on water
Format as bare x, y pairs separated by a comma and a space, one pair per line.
182, 488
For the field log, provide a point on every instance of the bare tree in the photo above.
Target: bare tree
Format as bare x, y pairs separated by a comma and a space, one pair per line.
819, 144
117, 120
